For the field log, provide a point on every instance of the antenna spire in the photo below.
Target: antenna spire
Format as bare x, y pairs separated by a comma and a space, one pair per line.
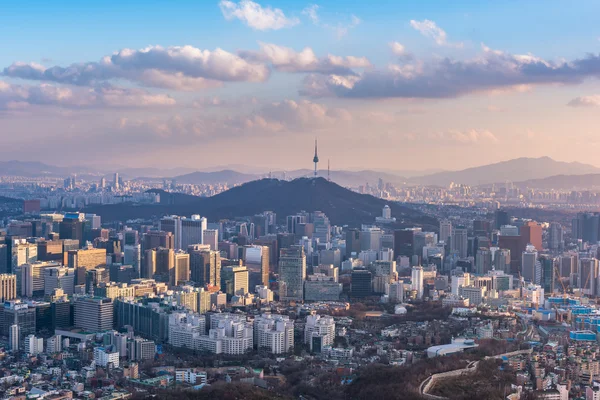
316, 158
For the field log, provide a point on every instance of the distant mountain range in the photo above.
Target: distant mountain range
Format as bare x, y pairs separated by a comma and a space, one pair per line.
517, 170
563, 182
341, 205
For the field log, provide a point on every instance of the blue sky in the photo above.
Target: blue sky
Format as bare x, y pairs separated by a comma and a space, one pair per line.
530, 92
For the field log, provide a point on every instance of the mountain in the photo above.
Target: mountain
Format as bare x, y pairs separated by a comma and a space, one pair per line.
210, 178
36, 169
519, 169
563, 182
341, 205
344, 178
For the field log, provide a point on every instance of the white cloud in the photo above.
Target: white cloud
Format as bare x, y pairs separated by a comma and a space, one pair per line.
472, 136
492, 71
274, 118
256, 16
585, 101
340, 29
19, 97
311, 12
289, 60
176, 67
398, 49
431, 30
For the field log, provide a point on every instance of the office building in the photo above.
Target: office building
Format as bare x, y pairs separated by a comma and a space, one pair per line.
234, 280
460, 241
531, 268
352, 243
156, 239
180, 273
445, 231
205, 266
320, 287
555, 236
292, 272
8, 287
93, 314
20, 314
417, 281
361, 282
211, 238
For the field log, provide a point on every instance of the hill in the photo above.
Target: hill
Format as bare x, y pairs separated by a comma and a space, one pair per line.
563, 182
341, 205
519, 169
344, 178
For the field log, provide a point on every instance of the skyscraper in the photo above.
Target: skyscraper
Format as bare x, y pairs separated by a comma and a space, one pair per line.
292, 272
531, 268
555, 236
417, 280
205, 266
445, 231
531, 233
460, 241
94, 314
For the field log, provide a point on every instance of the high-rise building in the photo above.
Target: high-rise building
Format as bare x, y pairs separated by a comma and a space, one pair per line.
165, 259
361, 283
319, 331
149, 264
59, 277
588, 276
502, 260
180, 272
417, 280
322, 227
85, 259
292, 272
33, 345
94, 314
234, 280
50, 250
14, 338
352, 243
555, 236
531, 268
205, 265
8, 287
445, 231
133, 256
155, 239
18, 313
211, 238
274, 333
483, 261
501, 218
460, 241
187, 231
531, 233
403, 242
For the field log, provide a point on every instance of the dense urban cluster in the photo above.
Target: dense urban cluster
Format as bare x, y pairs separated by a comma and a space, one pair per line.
294, 305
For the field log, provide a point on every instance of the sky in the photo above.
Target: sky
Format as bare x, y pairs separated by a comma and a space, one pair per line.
396, 85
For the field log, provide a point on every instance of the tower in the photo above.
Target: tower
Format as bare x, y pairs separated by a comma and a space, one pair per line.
328, 177
316, 158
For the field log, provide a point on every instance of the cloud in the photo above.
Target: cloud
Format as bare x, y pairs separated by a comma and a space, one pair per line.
585, 101
255, 16
274, 118
431, 30
472, 136
215, 101
491, 71
19, 97
397, 49
311, 12
177, 67
288, 60
340, 29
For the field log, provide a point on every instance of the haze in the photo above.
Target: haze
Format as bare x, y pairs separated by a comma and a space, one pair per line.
407, 86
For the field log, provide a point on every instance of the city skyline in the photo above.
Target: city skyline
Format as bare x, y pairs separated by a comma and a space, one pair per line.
380, 85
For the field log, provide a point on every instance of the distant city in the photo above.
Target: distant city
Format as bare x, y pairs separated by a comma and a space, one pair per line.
473, 274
